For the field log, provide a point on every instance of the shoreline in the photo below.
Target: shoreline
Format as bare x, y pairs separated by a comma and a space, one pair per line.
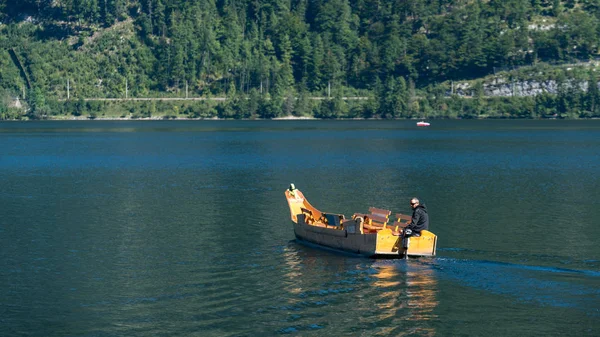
165, 118
283, 118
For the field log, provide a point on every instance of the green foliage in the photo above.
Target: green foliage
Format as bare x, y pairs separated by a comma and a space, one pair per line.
270, 58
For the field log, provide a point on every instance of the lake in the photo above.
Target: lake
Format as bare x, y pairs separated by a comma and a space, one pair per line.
181, 228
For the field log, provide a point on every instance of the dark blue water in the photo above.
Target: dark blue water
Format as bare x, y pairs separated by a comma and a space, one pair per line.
180, 228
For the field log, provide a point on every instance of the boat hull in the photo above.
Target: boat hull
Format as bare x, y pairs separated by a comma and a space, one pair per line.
336, 239
381, 244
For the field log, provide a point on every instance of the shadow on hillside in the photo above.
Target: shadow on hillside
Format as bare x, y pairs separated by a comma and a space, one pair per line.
56, 31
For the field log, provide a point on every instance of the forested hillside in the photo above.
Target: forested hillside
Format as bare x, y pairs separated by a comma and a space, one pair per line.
271, 58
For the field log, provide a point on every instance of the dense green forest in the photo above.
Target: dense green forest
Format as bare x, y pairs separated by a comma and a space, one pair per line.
276, 58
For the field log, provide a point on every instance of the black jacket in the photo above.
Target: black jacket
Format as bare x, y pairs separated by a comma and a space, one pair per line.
420, 219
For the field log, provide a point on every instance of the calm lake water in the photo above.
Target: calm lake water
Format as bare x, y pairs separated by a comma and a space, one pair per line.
181, 228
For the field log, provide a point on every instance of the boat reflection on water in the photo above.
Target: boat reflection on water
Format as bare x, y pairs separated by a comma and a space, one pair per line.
293, 271
350, 294
409, 294
304, 269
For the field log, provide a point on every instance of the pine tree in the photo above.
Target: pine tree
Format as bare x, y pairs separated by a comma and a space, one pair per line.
593, 95
557, 8
2, 9
286, 76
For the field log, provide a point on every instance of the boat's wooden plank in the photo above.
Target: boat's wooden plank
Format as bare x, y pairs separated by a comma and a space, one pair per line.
372, 222
355, 243
306, 210
356, 215
373, 226
370, 229
308, 216
374, 217
327, 231
377, 218
377, 225
379, 211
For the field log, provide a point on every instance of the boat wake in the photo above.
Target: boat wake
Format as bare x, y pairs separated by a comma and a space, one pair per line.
558, 287
541, 285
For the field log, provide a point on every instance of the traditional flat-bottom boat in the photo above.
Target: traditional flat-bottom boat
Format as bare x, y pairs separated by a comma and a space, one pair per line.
371, 234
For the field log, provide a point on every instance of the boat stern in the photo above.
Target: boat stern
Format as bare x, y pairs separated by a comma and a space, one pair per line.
424, 245
390, 244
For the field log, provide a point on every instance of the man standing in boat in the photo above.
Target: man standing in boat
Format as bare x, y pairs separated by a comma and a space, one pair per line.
419, 220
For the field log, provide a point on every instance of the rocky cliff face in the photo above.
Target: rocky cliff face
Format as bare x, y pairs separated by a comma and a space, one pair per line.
504, 88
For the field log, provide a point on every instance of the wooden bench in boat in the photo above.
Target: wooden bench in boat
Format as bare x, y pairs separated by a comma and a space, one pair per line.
371, 224
309, 218
402, 220
381, 212
325, 220
374, 221
379, 219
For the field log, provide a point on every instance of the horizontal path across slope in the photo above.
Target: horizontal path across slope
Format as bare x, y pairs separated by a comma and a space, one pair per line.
194, 98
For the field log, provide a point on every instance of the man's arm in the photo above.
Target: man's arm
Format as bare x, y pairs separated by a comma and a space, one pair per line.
415, 220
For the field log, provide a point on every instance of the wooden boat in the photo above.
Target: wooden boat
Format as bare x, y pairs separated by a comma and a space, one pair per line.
372, 234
